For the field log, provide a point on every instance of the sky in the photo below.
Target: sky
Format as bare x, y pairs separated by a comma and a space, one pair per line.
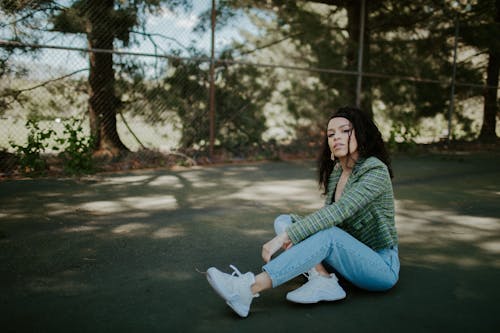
180, 25
172, 30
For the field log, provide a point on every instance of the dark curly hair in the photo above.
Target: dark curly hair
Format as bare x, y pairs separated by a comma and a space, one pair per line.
369, 141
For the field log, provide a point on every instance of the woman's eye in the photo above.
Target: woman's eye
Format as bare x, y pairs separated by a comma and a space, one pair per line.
331, 135
347, 131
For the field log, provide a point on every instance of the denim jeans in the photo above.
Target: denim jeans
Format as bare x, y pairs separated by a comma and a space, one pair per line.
335, 248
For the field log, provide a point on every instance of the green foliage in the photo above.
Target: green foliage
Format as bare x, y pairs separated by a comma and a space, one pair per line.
13, 6
30, 156
402, 40
239, 98
69, 21
77, 154
402, 135
119, 22
76, 148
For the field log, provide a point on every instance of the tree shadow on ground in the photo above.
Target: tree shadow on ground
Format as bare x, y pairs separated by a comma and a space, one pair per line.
121, 252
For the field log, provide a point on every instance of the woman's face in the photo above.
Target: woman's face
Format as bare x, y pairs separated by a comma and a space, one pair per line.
341, 138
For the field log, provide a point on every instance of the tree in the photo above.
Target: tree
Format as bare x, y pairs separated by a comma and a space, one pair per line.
240, 97
104, 23
401, 39
314, 28
103, 103
490, 110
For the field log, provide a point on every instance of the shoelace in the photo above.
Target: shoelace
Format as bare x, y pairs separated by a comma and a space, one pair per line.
236, 271
313, 273
310, 273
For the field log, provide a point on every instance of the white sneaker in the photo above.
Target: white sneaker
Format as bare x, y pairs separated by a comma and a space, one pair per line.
318, 288
235, 289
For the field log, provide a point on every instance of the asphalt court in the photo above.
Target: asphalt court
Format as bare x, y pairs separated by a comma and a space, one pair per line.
121, 252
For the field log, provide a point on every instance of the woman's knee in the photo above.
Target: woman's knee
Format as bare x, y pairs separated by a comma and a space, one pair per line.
380, 284
327, 237
281, 223
333, 233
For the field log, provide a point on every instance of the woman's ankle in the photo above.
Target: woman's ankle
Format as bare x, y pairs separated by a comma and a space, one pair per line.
262, 282
321, 270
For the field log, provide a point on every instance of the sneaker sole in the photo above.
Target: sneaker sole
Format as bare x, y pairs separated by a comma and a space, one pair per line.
312, 301
211, 273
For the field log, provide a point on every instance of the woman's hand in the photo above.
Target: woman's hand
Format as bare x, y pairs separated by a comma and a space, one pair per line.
271, 247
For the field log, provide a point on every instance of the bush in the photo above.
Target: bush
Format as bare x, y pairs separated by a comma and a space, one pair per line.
402, 136
76, 149
77, 154
30, 156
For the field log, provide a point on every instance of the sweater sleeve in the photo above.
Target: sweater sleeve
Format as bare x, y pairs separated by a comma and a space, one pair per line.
372, 180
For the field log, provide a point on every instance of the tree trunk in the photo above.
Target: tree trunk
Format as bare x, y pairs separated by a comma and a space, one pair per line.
488, 133
103, 103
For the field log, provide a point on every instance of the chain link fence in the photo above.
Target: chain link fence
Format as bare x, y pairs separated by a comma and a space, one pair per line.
139, 79
108, 67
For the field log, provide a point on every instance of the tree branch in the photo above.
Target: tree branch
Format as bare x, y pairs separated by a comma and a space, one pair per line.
261, 47
32, 13
151, 35
14, 94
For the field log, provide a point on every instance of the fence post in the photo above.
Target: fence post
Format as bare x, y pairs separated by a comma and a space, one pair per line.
360, 54
452, 92
212, 86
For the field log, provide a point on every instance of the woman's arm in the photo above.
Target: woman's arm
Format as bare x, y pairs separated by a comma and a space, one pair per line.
271, 247
373, 180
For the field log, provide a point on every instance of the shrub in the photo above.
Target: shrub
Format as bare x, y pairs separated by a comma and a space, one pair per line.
30, 156
77, 148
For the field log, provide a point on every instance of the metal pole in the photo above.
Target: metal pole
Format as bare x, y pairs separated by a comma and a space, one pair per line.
212, 86
452, 93
360, 54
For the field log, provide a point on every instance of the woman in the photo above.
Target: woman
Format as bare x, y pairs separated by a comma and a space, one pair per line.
354, 234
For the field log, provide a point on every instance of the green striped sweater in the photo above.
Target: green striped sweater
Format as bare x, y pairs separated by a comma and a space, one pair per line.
365, 210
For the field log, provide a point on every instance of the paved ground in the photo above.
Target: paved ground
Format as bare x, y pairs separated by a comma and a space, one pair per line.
119, 253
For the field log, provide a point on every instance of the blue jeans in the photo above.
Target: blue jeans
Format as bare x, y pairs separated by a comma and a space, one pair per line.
356, 262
